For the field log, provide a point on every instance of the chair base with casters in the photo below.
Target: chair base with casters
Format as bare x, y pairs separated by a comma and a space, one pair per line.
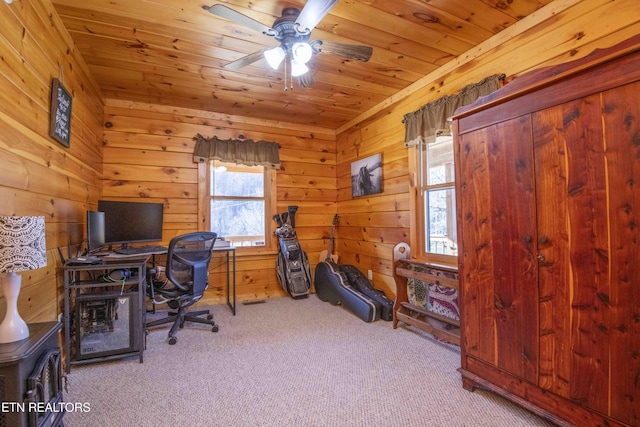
180, 316
185, 280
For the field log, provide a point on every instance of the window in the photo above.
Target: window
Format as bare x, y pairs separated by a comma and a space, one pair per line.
437, 207
238, 200
433, 226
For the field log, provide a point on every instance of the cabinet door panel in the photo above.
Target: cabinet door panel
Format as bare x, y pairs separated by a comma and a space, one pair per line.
621, 118
499, 283
572, 204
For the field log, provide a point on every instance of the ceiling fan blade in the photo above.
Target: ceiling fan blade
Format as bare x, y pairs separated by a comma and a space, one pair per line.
306, 80
351, 51
245, 60
237, 17
312, 13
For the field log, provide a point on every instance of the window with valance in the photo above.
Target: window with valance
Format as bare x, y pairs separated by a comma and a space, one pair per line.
434, 119
428, 136
242, 152
237, 190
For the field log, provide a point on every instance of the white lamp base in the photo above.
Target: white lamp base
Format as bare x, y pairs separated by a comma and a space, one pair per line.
12, 328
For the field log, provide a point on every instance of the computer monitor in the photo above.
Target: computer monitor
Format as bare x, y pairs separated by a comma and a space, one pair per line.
131, 222
95, 230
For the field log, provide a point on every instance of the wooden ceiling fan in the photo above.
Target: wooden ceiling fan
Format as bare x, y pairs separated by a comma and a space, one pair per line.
292, 30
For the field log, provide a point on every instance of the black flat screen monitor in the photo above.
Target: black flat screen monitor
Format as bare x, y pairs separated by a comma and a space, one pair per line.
131, 222
95, 230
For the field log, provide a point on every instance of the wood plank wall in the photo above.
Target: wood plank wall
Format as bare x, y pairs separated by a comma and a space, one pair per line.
371, 226
38, 175
148, 156
41, 177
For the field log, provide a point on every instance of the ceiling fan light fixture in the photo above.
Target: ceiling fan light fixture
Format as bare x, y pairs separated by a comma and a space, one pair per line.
301, 52
274, 56
297, 68
292, 30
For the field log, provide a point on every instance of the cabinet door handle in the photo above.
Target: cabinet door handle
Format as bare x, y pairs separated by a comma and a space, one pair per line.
544, 239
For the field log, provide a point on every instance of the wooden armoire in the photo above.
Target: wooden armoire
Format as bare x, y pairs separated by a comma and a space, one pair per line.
548, 197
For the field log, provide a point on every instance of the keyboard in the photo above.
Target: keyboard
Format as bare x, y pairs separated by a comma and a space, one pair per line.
138, 250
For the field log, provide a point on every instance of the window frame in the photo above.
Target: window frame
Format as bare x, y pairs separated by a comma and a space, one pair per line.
418, 222
270, 204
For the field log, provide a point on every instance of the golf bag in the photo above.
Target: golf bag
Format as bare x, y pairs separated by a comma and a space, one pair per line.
292, 266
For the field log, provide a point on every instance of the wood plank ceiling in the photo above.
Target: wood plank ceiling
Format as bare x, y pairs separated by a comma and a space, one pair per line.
172, 52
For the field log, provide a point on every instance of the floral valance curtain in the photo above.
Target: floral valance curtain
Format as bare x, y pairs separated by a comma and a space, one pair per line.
243, 152
433, 119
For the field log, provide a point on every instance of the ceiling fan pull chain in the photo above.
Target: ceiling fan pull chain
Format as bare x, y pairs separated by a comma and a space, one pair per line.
285, 74
290, 77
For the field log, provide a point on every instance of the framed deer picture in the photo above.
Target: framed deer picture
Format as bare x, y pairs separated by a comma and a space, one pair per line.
366, 176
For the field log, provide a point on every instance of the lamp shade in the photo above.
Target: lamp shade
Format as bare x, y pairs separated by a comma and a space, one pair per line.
22, 243
274, 56
298, 69
22, 247
301, 52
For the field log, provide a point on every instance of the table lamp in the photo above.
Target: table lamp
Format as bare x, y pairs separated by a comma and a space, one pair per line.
22, 247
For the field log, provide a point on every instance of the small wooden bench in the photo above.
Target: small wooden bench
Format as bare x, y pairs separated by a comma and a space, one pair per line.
444, 327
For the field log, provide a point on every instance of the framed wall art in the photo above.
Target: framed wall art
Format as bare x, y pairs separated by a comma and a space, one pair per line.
366, 176
60, 120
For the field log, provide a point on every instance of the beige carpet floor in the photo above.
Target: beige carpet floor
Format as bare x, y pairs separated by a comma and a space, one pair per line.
287, 363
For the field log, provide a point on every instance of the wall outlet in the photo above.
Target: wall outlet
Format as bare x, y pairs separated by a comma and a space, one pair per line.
370, 274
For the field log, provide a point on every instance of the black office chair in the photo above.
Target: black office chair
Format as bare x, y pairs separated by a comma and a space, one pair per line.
186, 274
